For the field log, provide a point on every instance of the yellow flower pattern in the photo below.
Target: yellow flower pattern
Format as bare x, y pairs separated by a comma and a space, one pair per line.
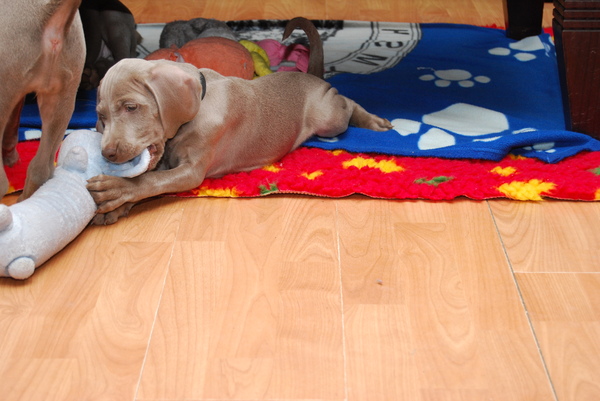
219, 192
313, 175
530, 190
504, 172
386, 166
272, 168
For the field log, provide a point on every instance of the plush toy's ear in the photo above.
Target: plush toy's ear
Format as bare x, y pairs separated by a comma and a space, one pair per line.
177, 93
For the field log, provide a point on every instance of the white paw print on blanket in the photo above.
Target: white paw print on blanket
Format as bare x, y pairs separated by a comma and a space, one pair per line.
444, 78
546, 147
462, 119
524, 49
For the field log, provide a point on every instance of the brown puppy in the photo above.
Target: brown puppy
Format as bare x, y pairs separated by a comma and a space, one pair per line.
198, 124
42, 51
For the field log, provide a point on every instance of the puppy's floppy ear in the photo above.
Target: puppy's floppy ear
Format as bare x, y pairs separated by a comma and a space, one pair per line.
99, 125
177, 95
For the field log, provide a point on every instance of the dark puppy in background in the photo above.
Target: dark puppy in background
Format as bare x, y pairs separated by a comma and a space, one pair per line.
180, 32
42, 51
110, 36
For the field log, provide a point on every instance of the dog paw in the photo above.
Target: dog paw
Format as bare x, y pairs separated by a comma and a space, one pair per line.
32, 185
363, 119
379, 124
386, 125
90, 79
106, 219
109, 192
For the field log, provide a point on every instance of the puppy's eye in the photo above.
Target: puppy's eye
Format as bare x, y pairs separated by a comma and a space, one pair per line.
131, 107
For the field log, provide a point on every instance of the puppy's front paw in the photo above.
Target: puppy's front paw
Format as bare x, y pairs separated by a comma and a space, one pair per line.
110, 192
105, 219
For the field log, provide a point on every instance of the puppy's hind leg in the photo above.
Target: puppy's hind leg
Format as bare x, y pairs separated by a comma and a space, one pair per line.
363, 119
343, 112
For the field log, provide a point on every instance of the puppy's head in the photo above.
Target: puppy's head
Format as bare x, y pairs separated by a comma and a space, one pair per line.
142, 104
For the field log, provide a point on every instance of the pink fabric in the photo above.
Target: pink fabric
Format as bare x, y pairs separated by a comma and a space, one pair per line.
279, 53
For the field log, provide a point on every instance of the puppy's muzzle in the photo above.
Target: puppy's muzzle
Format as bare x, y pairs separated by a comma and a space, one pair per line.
110, 153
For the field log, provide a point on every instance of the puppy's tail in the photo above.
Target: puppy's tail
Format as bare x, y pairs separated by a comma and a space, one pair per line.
316, 65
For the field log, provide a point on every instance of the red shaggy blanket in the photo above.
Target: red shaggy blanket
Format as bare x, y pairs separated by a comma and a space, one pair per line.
339, 173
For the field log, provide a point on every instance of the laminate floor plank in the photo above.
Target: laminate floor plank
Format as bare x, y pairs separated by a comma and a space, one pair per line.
565, 311
431, 310
79, 328
251, 308
550, 236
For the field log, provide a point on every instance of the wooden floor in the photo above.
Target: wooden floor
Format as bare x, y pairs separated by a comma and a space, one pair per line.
303, 298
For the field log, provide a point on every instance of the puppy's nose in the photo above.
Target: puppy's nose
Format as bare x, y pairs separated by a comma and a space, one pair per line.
110, 153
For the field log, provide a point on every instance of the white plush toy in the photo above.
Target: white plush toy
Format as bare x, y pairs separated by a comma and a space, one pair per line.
34, 230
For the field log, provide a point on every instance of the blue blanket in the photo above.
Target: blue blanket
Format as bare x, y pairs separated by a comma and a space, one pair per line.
465, 92
84, 116
453, 91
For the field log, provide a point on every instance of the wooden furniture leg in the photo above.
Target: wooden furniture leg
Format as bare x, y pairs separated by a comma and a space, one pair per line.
523, 18
577, 35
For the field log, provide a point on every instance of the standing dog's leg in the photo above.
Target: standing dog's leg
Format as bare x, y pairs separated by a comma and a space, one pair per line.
47, 60
60, 66
55, 112
9, 136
